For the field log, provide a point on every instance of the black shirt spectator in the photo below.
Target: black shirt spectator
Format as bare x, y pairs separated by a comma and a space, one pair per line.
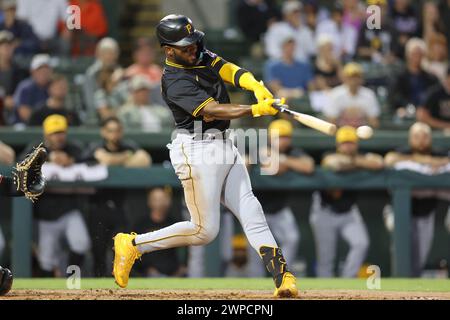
438, 103
406, 24
55, 104
26, 39
254, 16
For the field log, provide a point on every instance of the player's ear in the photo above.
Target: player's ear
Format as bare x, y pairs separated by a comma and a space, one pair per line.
168, 51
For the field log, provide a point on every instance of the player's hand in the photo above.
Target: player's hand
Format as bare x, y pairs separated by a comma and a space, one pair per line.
265, 107
261, 92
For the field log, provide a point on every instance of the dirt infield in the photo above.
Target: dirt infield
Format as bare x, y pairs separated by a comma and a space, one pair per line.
116, 294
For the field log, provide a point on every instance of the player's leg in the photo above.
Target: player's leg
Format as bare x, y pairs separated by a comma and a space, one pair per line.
202, 183
285, 229
77, 237
423, 230
324, 226
50, 233
238, 197
355, 234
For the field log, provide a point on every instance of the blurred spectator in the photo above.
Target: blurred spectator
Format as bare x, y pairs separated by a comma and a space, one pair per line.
107, 56
56, 103
291, 26
334, 212
288, 77
351, 103
375, 44
94, 26
7, 154
33, 91
431, 21
436, 108
406, 24
10, 75
354, 14
444, 10
279, 215
311, 14
423, 206
25, 40
48, 20
238, 266
139, 114
144, 63
107, 205
58, 211
436, 60
410, 86
114, 151
255, 16
327, 67
108, 97
159, 263
344, 37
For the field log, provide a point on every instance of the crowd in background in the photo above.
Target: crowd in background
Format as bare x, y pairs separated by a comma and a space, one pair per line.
309, 51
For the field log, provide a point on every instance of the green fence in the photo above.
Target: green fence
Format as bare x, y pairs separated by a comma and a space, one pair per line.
399, 183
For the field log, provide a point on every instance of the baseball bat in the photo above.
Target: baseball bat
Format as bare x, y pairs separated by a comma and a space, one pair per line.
309, 121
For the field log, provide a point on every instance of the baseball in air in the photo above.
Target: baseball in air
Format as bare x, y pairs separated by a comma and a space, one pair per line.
364, 132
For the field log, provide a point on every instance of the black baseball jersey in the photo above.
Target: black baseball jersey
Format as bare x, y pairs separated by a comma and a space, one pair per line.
186, 90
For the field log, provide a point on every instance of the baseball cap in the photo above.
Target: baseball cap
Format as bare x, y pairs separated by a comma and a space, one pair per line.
55, 123
139, 82
346, 134
7, 4
40, 60
291, 6
6, 37
352, 69
376, 2
284, 128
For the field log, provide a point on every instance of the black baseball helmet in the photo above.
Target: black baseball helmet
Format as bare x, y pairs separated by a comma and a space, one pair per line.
6, 281
178, 30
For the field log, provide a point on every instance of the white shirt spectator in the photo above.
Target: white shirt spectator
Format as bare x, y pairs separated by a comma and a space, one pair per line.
43, 15
303, 36
341, 99
344, 38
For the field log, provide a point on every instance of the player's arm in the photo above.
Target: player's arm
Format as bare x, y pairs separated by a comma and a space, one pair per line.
369, 161
241, 78
302, 164
231, 111
338, 162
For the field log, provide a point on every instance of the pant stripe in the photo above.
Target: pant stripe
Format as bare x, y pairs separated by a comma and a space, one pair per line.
195, 204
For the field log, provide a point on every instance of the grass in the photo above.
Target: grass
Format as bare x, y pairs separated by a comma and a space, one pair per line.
424, 285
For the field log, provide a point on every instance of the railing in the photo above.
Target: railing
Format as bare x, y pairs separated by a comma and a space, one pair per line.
399, 183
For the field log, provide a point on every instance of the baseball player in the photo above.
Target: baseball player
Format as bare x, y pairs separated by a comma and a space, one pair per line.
334, 213
28, 182
193, 86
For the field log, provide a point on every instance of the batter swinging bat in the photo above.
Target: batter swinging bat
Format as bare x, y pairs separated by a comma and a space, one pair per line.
309, 121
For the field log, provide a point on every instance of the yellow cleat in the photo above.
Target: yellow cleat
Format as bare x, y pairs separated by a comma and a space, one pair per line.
125, 253
288, 287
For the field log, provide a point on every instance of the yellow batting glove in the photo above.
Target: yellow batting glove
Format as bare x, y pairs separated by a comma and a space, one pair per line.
265, 108
261, 92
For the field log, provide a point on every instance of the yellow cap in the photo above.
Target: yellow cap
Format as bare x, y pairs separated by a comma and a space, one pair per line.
55, 123
352, 69
346, 134
283, 127
376, 2
239, 242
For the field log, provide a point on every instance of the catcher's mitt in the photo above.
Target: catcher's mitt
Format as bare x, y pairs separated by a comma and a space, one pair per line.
28, 176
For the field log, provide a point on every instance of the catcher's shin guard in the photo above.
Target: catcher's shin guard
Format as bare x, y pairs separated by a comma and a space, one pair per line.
6, 281
275, 263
